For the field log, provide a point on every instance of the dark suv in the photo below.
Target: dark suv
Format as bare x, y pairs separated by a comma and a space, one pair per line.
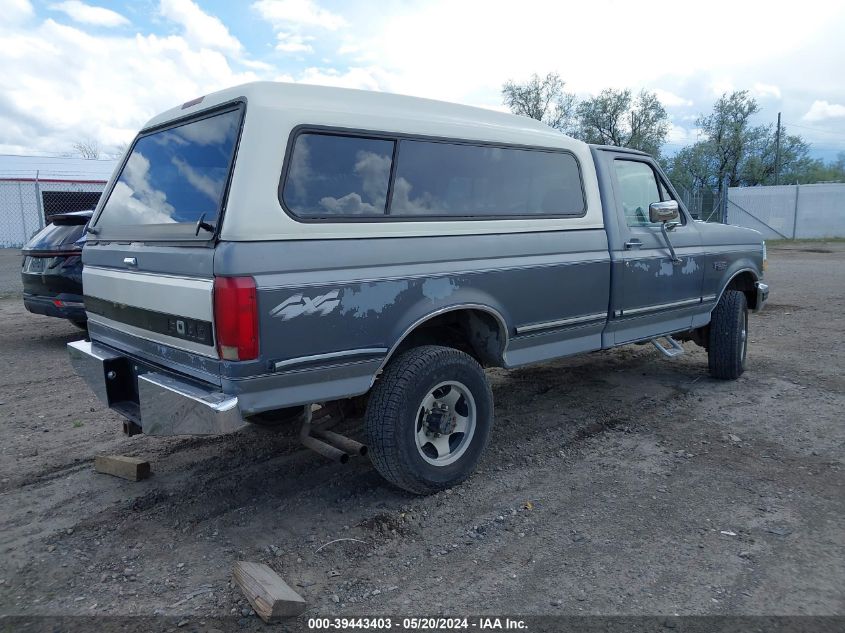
52, 268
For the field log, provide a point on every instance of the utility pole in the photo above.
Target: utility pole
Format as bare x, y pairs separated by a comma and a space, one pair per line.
777, 153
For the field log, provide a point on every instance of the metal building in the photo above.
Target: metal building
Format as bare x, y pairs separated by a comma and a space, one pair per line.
32, 188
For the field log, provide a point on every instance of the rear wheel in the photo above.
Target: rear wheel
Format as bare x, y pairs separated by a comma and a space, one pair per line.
429, 419
727, 348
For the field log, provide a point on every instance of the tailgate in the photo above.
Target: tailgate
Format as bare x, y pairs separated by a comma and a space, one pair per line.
154, 302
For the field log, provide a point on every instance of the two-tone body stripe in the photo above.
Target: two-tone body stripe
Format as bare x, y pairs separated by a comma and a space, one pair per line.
561, 323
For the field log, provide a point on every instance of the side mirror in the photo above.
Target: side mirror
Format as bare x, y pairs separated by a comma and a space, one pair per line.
663, 211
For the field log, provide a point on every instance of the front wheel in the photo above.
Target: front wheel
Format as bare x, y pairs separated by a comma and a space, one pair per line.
727, 347
429, 419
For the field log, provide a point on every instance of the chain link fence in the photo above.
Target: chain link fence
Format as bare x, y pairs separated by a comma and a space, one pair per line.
27, 204
703, 205
782, 212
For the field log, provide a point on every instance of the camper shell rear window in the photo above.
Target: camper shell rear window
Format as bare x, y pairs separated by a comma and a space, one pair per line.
173, 182
345, 176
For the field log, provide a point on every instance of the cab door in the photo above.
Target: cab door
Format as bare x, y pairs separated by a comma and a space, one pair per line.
659, 294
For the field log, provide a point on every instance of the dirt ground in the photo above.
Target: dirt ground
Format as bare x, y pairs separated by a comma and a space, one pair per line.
616, 483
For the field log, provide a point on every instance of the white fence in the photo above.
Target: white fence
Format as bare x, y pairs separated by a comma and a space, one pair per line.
789, 211
25, 204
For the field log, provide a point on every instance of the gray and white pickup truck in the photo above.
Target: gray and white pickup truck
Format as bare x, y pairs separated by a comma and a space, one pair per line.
273, 247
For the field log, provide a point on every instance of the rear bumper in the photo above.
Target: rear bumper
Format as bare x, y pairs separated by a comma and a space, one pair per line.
762, 295
63, 306
159, 403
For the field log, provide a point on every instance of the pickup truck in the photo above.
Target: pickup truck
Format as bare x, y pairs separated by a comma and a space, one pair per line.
277, 253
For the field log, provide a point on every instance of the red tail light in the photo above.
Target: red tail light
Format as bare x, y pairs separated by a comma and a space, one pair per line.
236, 318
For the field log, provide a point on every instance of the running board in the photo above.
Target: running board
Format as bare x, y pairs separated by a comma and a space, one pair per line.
674, 349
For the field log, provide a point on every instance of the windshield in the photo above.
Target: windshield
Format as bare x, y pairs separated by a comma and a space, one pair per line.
174, 177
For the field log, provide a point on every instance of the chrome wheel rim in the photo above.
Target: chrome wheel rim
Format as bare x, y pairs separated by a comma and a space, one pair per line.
445, 423
744, 338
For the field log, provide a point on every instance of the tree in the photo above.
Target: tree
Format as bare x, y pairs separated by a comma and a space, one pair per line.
692, 168
87, 148
759, 165
543, 99
819, 171
615, 117
119, 150
730, 136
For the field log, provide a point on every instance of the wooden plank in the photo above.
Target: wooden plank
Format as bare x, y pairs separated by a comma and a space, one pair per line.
130, 468
269, 595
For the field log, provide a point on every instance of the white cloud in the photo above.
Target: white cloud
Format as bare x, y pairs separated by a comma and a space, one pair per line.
200, 28
763, 91
680, 135
362, 78
670, 99
821, 110
16, 11
293, 43
89, 14
285, 14
110, 85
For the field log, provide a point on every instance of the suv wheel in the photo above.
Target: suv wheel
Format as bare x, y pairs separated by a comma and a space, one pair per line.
429, 419
727, 347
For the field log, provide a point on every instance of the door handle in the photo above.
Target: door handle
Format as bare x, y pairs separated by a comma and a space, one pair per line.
633, 244
130, 261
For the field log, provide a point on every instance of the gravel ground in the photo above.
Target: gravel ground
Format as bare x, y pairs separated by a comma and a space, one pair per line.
10, 273
616, 483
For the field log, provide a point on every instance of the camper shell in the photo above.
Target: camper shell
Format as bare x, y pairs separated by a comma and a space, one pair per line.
344, 230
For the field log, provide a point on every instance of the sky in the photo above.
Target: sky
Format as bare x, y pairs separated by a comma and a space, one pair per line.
73, 70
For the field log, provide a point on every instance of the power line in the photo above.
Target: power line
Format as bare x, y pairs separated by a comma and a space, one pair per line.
817, 129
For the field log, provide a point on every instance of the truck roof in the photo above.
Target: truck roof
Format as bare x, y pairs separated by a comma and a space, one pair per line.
616, 148
398, 113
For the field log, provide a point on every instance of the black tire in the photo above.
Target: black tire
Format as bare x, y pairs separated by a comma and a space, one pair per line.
392, 417
727, 348
82, 325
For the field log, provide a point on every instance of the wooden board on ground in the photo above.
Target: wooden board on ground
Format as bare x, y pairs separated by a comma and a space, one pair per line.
130, 468
269, 595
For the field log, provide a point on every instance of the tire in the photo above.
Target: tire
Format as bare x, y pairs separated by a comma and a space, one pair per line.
727, 349
82, 325
425, 388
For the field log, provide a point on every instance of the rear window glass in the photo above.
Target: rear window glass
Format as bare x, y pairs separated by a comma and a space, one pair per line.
338, 175
453, 179
175, 176
54, 237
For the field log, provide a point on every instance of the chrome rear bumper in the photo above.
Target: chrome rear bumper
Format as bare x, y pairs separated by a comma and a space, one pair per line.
159, 403
762, 295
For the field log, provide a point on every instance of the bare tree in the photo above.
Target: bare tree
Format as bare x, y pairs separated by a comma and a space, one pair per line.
119, 150
543, 99
87, 148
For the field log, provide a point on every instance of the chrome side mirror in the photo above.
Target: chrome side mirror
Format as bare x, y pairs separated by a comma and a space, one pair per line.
663, 211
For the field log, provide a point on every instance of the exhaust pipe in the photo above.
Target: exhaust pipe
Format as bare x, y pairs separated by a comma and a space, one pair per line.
324, 449
346, 444
336, 447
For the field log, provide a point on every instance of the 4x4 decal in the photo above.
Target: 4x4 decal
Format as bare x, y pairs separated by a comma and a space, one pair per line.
298, 304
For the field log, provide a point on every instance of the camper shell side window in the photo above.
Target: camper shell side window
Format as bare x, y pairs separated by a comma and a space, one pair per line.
341, 176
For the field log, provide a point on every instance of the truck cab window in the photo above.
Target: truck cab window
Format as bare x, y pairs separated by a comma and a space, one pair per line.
638, 189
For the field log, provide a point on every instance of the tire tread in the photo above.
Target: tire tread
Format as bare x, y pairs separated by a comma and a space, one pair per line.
385, 403
723, 360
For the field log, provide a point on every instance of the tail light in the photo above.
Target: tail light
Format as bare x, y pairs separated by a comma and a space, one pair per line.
236, 318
